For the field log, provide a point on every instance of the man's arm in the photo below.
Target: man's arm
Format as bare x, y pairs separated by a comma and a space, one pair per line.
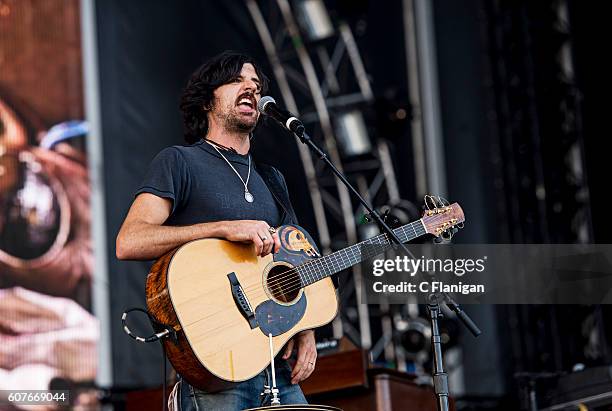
143, 237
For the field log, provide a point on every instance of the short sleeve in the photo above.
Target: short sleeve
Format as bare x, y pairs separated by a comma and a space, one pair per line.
167, 177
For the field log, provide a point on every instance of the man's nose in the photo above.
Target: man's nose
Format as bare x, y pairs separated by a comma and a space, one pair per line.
250, 85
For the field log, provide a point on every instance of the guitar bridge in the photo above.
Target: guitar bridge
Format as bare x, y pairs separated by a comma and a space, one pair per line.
241, 301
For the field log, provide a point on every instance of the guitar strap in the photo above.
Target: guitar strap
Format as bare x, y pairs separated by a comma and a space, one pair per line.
277, 186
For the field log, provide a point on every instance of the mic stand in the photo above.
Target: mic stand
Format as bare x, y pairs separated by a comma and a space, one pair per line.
440, 377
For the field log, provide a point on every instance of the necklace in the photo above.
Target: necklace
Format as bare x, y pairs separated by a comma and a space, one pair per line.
222, 147
247, 195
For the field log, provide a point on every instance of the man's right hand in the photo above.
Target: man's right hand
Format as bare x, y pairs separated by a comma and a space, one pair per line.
252, 231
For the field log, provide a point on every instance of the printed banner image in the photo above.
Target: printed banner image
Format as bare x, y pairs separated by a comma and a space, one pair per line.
48, 334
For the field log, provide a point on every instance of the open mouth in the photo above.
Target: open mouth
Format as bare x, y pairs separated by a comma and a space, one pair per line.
246, 101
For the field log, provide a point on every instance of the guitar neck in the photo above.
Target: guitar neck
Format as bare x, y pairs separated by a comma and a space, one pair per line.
323, 267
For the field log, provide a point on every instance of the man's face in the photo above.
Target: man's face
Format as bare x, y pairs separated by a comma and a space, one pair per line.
235, 103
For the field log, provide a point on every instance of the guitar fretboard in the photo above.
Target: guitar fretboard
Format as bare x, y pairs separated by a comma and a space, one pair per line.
319, 268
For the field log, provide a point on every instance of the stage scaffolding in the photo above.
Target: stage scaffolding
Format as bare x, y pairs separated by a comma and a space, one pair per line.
326, 76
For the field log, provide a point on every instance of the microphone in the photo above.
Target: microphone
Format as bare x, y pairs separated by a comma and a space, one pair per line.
267, 105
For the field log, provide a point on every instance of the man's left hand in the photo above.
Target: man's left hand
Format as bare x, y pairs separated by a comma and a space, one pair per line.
306, 355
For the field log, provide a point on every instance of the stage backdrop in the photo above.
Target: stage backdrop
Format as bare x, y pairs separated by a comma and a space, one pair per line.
48, 335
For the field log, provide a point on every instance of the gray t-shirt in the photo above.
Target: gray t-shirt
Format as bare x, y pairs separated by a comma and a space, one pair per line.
203, 187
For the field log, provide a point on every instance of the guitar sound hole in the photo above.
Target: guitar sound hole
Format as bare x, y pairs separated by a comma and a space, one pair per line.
283, 283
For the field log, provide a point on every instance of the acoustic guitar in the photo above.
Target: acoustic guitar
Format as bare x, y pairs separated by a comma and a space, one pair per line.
223, 301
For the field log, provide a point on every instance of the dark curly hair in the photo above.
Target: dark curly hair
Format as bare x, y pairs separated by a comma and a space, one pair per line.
198, 95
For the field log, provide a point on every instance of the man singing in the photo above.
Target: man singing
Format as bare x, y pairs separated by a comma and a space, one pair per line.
212, 188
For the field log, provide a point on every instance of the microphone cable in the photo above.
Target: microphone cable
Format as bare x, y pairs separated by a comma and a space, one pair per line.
167, 331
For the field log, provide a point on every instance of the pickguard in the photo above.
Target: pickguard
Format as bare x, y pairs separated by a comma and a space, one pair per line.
297, 241
276, 319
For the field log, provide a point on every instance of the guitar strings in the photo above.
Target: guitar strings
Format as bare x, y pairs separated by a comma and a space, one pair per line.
287, 276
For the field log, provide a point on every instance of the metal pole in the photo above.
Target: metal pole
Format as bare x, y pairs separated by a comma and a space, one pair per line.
440, 378
430, 97
100, 292
416, 124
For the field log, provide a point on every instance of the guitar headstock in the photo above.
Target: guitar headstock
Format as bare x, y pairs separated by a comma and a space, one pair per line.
441, 218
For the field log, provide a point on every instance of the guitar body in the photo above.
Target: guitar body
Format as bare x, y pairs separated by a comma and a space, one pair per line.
223, 301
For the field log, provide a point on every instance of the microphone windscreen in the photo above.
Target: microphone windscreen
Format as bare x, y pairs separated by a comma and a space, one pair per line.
261, 106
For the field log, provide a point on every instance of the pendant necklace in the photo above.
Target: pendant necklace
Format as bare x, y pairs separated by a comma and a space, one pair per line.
247, 195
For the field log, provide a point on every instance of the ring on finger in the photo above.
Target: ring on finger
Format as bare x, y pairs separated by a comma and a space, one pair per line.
271, 230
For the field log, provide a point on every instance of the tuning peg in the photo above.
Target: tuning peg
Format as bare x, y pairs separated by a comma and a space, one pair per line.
439, 240
447, 235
